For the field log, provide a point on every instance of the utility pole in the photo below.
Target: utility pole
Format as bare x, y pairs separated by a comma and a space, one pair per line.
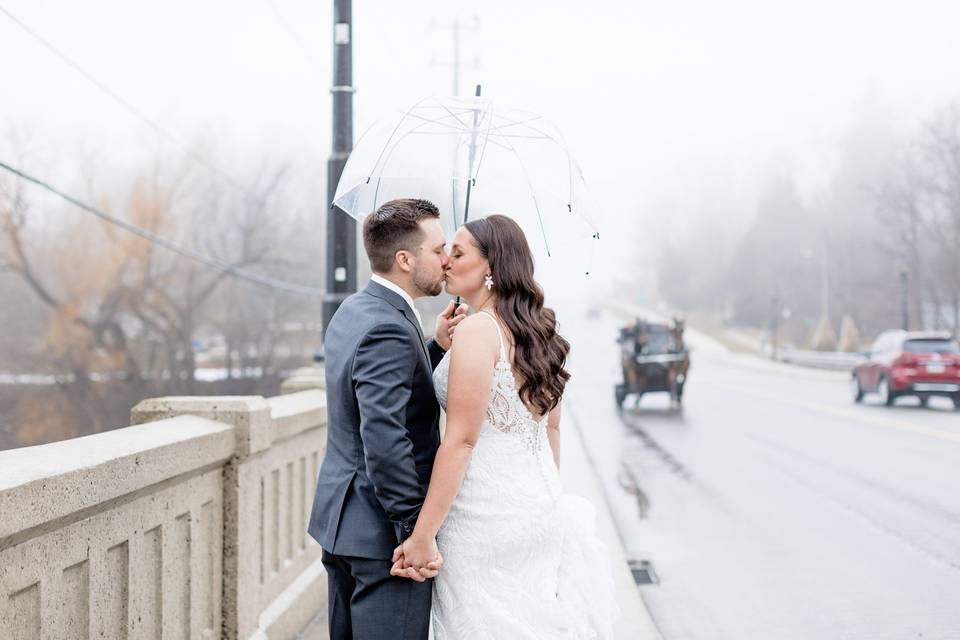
456, 56
457, 28
341, 229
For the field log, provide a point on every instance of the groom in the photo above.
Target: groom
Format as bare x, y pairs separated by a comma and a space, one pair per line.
382, 427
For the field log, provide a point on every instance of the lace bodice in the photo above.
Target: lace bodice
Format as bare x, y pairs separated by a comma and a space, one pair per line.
505, 412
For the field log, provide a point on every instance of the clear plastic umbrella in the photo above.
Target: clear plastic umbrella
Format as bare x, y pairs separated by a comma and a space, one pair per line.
473, 158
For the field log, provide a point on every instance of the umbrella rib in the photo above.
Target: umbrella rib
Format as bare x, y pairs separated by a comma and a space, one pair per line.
563, 145
538, 131
533, 195
498, 144
393, 133
516, 123
497, 134
560, 142
524, 123
409, 113
540, 134
414, 131
376, 193
439, 121
490, 128
454, 116
452, 131
514, 136
486, 140
390, 155
557, 141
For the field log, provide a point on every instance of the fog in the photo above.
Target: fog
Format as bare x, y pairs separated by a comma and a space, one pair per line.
738, 152
665, 104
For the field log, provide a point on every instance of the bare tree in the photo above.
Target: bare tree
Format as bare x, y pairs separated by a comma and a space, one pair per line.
122, 313
940, 162
900, 233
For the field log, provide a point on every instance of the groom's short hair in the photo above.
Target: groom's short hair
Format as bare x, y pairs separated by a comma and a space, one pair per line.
395, 226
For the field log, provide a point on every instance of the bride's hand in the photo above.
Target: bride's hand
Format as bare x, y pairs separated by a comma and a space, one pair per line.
429, 571
421, 553
447, 323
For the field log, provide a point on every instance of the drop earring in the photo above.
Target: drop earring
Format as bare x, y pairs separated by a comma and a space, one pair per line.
488, 281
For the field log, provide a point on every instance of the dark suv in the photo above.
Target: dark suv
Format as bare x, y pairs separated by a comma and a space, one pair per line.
902, 363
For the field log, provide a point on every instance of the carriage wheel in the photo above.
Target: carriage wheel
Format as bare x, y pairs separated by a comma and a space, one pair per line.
620, 394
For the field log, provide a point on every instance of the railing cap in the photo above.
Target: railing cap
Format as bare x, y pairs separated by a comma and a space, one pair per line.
249, 414
47, 482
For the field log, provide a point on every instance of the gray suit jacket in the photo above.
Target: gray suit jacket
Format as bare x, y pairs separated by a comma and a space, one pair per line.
382, 426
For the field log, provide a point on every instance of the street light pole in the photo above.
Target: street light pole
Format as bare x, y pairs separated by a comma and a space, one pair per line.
774, 326
341, 277
904, 306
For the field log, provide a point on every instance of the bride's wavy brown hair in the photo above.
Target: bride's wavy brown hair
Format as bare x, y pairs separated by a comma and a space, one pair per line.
540, 351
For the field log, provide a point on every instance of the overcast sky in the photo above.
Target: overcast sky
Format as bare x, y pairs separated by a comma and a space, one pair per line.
662, 102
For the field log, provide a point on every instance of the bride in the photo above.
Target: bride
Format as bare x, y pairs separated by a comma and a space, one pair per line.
519, 558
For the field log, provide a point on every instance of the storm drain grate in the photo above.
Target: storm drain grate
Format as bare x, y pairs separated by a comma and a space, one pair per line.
643, 572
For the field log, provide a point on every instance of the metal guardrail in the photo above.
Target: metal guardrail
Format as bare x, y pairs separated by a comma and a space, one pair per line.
836, 360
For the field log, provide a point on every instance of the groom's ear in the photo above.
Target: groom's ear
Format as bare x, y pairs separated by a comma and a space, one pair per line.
404, 260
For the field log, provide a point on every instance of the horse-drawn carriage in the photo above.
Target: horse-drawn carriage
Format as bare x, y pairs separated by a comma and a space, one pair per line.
654, 358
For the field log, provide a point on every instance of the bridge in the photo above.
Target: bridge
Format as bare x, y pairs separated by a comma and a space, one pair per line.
190, 523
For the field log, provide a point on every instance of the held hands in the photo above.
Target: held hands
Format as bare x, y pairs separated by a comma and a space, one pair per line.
417, 558
447, 323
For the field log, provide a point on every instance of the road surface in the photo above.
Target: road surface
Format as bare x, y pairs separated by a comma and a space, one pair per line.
771, 506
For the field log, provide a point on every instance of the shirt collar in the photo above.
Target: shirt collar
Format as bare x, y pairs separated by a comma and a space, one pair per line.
399, 291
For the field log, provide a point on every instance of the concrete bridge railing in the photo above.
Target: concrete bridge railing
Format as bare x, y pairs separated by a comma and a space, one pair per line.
189, 524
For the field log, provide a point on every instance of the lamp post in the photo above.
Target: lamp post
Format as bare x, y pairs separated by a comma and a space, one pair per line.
904, 296
341, 277
774, 326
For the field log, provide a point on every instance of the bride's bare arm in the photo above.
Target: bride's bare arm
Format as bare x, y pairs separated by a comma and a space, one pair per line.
553, 433
472, 360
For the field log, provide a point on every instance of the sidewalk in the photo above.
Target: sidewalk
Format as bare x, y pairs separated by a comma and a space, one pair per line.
580, 477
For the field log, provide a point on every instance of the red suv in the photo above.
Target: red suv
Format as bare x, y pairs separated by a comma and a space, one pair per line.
902, 363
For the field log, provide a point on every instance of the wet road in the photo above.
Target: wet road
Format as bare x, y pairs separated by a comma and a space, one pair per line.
771, 506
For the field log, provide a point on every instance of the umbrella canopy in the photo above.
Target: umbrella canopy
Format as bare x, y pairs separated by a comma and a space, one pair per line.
473, 158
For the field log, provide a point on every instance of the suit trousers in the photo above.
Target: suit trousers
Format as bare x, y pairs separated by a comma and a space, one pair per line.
367, 603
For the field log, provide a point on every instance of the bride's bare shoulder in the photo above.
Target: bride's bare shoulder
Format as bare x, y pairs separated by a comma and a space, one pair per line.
477, 332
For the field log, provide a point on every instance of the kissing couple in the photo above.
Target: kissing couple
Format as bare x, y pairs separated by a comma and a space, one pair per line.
471, 535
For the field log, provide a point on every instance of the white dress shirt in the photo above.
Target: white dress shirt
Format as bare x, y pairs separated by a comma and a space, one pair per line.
403, 294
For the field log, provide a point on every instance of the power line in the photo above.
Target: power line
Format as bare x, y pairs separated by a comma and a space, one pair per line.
127, 105
286, 26
215, 263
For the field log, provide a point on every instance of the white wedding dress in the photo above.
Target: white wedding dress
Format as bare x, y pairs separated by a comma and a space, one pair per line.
521, 560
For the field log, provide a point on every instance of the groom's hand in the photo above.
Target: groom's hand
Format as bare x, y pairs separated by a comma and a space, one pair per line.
429, 571
447, 323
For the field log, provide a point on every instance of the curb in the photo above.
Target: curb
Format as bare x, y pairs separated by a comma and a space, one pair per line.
579, 475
